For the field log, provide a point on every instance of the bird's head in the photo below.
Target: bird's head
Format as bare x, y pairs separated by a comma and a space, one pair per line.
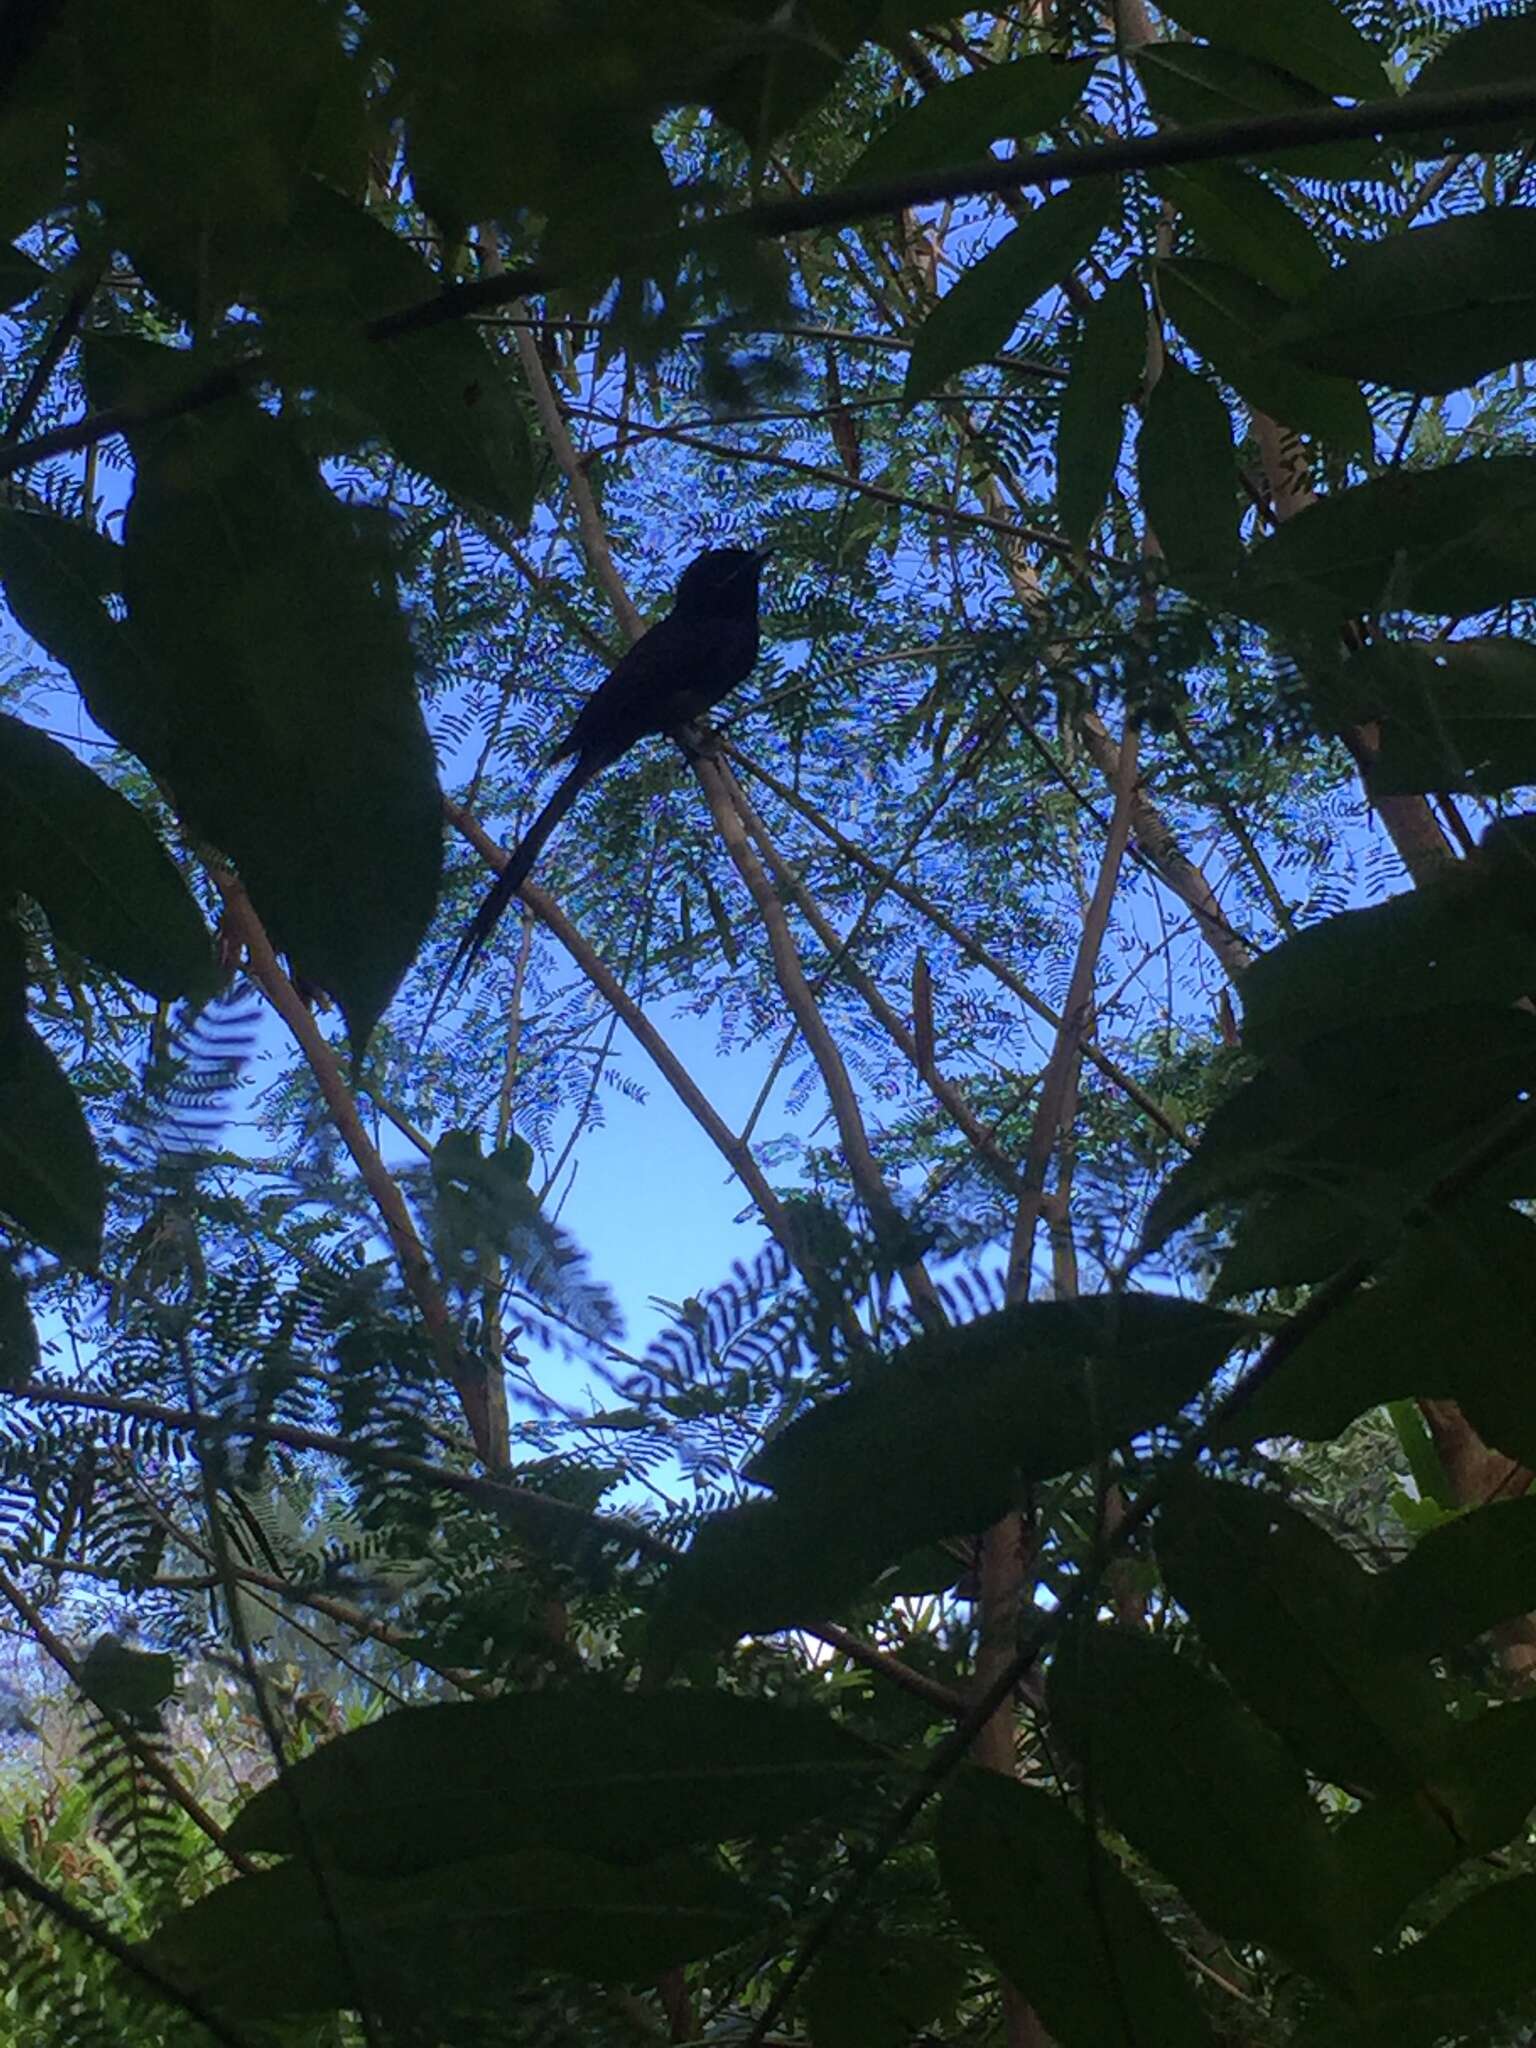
721, 581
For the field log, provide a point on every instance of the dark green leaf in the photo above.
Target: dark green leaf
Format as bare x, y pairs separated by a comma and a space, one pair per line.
1453, 714
1259, 1866
34, 138
1111, 354
1231, 319
937, 1440
1310, 38
1456, 540
1060, 1920
1476, 1799
442, 399
769, 1565
308, 763
1452, 1316
1456, 1978
134, 1684
1304, 1125
958, 121
1461, 1579
51, 1183
1188, 473
1238, 219
107, 884
982, 308
1286, 1614
877, 1990
1462, 940
18, 1336
590, 1769
1427, 310
454, 1939
1494, 51
1193, 83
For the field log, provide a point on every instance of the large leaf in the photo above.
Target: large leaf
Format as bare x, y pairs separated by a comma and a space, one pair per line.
1476, 1799
1428, 310
274, 694
1238, 219
982, 308
1061, 1920
51, 1182
1453, 1981
110, 889
1461, 940
589, 1769
1311, 38
1455, 540
1453, 714
770, 1565
1461, 1579
18, 1334
1304, 1124
1493, 51
937, 1440
1194, 83
1259, 1866
1188, 472
1286, 1615
877, 1990
1452, 1316
1231, 320
456, 1939
441, 398
1111, 354
957, 121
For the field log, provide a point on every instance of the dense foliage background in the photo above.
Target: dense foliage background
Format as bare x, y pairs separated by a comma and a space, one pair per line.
1074, 1579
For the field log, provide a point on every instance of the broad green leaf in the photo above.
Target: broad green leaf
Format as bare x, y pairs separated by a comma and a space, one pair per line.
198, 130
1235, 217
1461, 1579
1194, 83
287, 726
1476, 1799
770, 1565
1231, 320
442, 399
876, 1990
51, 1182
455, 1939
1493, 51
110, 889
589, 1768
1111, 354
1060, 1919
1259, 1866
1459, 941
937, 1440
1304, 1124
1451, 1316
18, 1335
134, 1684
1188, 473
958, 121
1428, 310
1454, 1980
1453, 714
983, 307
1286, 1614
34, 139
1311, 38
1455, 540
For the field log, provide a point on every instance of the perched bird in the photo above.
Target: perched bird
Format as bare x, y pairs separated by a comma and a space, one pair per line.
685, 664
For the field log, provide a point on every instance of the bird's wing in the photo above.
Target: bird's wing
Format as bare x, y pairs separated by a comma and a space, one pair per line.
673, 672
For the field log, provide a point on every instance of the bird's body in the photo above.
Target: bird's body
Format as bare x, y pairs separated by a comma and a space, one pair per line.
681, 668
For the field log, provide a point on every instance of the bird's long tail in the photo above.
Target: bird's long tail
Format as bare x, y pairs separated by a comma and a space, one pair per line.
513, 876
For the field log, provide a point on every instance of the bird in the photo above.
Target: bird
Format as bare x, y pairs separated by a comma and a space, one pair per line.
680, 668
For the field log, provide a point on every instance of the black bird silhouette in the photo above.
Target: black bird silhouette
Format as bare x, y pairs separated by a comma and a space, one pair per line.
685, 664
